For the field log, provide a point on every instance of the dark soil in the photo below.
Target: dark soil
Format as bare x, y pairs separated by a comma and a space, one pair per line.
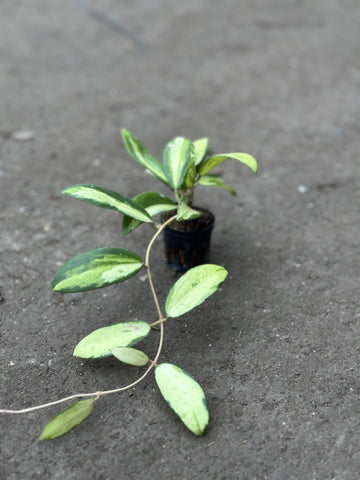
206, 220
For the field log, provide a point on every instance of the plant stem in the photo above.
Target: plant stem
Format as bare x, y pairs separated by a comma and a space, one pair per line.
158, 322
177, 196
147, 256
99, 393
161, 321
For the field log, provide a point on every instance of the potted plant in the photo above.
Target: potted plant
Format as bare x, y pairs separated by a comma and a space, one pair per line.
186, 165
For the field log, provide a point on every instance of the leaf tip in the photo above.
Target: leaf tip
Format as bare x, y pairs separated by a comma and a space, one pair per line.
124, 133
55, 285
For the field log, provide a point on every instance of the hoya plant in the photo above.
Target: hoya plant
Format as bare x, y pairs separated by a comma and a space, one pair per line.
186, 164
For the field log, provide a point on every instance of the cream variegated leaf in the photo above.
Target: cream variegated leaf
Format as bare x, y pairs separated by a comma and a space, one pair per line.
96, 269
184, 395
105, 198
177, 159
67, 419
193, 288
140, 154
216, 160
153, 202
130, 356
102, 341
200, 150
215, 181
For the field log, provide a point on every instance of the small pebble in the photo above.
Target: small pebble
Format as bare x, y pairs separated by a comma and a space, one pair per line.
302, 189
23, 135
96, 162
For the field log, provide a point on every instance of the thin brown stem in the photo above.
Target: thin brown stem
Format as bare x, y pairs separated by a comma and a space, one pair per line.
161, 321
147, 256
99, 393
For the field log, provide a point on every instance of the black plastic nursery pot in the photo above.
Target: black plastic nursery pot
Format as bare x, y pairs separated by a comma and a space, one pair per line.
187, 243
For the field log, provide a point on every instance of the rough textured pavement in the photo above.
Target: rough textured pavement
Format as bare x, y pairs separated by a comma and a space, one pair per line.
277, 350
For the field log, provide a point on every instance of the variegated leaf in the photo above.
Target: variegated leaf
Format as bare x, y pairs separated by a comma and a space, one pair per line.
190, 177
100, 342
184, 395
186, 213
216, 160
153, 203
105, 198
67, 419
215, 181
193, 288
96, 269
176, 160
200, 150
130, 356
139, 153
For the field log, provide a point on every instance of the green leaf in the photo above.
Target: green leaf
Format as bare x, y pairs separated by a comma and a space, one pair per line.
130, 356
184, 395
190, 177
100, 342
186, 213
176, 160
153, 203
216, 160
139, 153
105, 198
96, 269
67, 419
200, 149
215, 181
193, 288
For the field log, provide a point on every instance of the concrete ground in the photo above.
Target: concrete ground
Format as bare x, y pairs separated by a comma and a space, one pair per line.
277, 350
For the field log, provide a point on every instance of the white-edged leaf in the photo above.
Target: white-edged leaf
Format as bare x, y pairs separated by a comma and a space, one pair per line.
215, 181
100, 342
186, 213
105, 198
153, 203
216, 160
184, 395
139, 153
130, 356
193, 288
96, 269
200, 150
177, 159
67, 419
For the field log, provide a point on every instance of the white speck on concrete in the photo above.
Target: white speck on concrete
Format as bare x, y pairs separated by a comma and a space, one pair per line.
23, 135
302, 189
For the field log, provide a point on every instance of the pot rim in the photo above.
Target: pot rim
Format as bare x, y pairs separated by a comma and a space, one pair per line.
191, 232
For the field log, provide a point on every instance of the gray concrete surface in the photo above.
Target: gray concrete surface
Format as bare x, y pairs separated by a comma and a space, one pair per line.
277, 351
